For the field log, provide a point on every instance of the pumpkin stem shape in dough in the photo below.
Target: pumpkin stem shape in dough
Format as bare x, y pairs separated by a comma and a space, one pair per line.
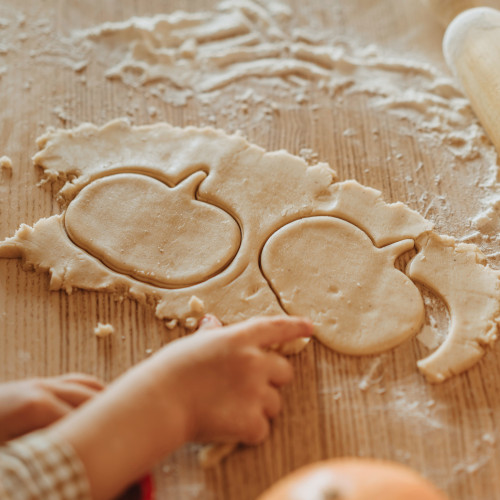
139, 226
329, 270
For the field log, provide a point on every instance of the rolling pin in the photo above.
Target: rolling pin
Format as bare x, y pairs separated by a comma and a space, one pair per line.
471, 47
446, 10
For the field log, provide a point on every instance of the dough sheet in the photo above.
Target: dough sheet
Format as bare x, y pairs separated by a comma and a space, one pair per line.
178, 217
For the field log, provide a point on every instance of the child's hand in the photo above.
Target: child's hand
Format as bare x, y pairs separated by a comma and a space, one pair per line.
27, 405
219, 384
227, 379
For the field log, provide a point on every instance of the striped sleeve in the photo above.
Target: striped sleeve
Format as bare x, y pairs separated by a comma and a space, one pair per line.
38, 466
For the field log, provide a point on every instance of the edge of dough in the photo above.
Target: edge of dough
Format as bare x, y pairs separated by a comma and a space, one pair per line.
458, 273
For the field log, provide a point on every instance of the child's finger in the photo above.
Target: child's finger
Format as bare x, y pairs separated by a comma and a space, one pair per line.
82, 379
69, 392
209, 321
48, 410
280, 369
257, 431
272, 402
267, 331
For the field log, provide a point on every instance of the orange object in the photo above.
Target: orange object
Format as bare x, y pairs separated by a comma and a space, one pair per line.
353, 479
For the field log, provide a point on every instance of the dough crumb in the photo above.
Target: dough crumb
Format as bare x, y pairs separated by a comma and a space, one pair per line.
191, 323
6, 166
171, 324
213, 454
310, 156
60, 112
103, 330
79, 66
196, 305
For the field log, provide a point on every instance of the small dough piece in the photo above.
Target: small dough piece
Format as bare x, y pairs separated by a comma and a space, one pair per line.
140, 227
329, 270
5, 163
190, 323
196, 305
104, 330
213, 454
171, 324
471, 291
6, 166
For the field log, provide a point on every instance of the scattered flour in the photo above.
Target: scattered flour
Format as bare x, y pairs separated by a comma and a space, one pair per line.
373, 376
437, 320
60, 112
430, 337
185, 55
484, 451
231, 59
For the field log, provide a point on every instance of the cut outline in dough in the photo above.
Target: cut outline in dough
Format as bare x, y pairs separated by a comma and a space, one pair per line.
87, 152
472, 298
196, 180
389, 252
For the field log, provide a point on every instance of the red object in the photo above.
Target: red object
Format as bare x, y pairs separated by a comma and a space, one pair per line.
142, 490
147, 488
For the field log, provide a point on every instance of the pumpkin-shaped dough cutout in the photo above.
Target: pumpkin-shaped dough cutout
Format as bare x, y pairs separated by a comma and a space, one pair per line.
329, 270
138, 226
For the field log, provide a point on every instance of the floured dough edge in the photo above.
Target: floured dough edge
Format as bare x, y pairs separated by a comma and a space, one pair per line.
471, 290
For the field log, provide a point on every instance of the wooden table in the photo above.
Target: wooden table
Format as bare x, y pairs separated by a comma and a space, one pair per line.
449, 432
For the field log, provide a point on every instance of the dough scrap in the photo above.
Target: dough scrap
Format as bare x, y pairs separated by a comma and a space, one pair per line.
241, 180
347, 286
5, 167
104, 330
471, 291
5, 163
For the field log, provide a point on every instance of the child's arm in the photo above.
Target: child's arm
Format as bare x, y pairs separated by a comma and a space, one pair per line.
215, 385
28, 405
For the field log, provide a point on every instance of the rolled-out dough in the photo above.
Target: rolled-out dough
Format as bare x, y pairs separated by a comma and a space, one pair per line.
218, 203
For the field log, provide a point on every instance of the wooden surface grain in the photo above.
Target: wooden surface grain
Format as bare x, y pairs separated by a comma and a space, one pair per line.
449, 432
